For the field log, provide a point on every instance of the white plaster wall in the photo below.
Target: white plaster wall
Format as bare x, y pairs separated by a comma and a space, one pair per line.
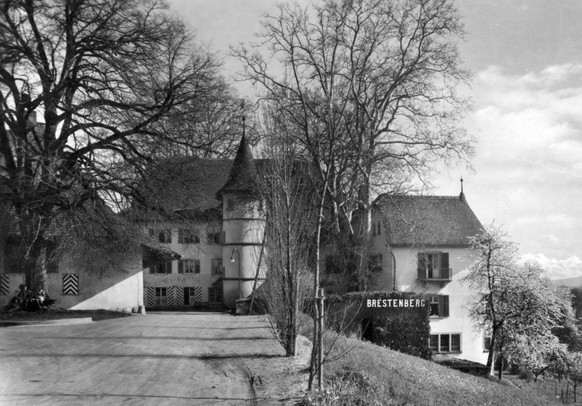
249, 260
203, 251
460, 297
243, 227
121, 289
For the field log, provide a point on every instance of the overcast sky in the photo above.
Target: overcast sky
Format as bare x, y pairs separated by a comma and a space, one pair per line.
526, 59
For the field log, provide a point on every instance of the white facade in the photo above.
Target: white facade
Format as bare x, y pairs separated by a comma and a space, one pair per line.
453, 333
189, 281
73, 288
459, 294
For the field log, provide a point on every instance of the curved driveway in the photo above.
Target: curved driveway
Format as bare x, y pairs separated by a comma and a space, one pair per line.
158, 359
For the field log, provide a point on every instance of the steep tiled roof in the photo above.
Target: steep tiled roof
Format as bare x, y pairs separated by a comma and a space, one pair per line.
427, 220
190, 186
243, 173
186, 183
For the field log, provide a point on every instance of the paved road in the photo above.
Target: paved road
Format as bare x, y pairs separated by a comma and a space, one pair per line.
158, 359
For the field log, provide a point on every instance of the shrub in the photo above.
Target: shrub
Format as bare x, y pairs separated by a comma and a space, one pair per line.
402, 329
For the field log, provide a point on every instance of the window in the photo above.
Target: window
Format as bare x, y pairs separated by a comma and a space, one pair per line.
439, 306
164, 267
486, 344
373, 228
433, 265
165, 236
434, 343
161, 297
192, 295
189, 266
215, 294
213, 235
375, 263
216, 266
444, 343
229, 205
187, 236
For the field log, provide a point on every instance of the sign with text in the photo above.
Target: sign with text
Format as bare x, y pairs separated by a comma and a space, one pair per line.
394, 303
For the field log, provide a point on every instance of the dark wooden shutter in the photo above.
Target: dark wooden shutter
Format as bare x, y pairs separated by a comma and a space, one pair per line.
444, 306
445, 272
168, 267
421, 265
180, 266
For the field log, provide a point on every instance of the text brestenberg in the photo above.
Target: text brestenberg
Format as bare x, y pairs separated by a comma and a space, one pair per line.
395, 303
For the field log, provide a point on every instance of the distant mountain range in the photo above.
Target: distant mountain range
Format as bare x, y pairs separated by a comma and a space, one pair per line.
566, 272
570, 282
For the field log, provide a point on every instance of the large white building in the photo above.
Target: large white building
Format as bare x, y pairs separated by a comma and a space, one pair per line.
421, 244
213, 219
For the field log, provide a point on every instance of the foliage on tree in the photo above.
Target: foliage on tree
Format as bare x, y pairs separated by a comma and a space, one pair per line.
518, 308
369, 87
104, 78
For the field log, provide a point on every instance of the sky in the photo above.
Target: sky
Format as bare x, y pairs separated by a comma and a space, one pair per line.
526, 61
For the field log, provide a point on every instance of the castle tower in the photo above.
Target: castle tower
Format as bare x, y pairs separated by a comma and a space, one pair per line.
243, 225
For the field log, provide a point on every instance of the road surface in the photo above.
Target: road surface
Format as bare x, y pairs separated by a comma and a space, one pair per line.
158, 359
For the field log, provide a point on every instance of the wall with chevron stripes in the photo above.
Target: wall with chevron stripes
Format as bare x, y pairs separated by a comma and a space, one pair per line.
120, 289
172, 296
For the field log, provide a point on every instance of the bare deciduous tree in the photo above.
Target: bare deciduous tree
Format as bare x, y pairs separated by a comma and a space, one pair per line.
370, 87
287, 192
104, 75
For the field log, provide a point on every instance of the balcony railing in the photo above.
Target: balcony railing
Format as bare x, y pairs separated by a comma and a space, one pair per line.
441, 275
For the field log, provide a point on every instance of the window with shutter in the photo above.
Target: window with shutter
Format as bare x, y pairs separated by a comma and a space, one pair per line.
444, 266
216, 266
434, 266
164, 267
445, 305
422, 265
165, 236
439, 306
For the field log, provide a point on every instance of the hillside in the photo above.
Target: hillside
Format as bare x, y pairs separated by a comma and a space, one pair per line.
359, 372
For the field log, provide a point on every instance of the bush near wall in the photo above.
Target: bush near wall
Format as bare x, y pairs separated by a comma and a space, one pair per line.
404, 329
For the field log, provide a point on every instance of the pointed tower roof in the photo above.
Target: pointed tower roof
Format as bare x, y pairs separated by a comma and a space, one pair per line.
243, 172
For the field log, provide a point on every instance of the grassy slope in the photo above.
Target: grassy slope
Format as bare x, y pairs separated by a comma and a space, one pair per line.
391, 378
